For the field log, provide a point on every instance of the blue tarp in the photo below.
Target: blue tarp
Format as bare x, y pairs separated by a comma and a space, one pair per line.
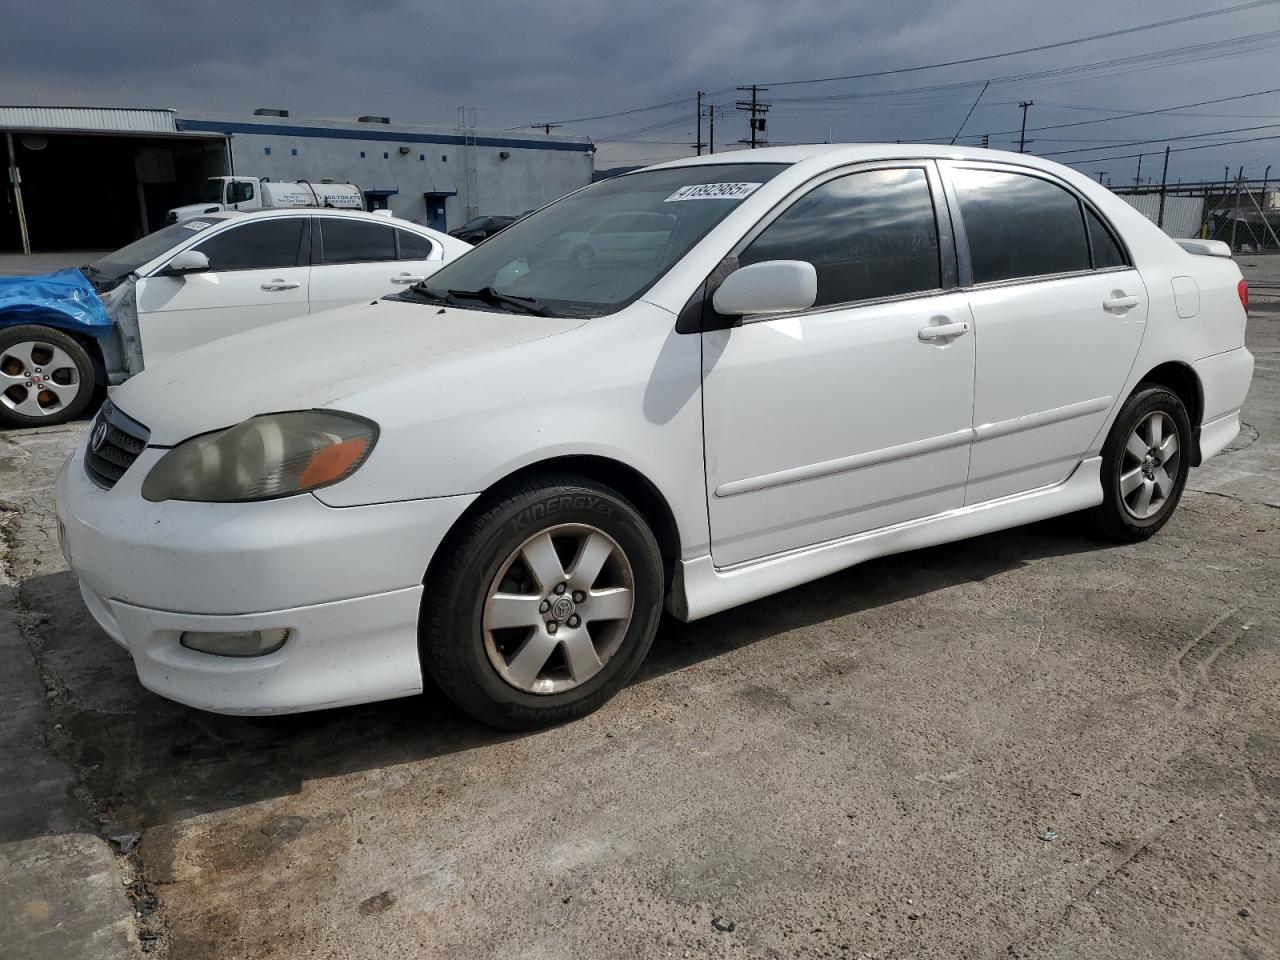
64, 298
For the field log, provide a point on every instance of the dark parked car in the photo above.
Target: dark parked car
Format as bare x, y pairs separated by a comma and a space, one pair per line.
478, 228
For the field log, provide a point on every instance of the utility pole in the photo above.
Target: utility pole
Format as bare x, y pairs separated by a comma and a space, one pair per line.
711, 137
1235, 213
15, 178
986, 140
698, 146
1101, 174
1022, 137
758, 110
544, 127
1164, 182
1137, 177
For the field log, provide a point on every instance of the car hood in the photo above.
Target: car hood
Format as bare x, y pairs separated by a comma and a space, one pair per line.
315, 361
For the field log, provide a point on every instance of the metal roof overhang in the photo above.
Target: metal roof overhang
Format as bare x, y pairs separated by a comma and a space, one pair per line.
101, 121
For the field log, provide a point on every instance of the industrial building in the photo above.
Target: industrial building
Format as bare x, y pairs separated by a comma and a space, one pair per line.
84, 178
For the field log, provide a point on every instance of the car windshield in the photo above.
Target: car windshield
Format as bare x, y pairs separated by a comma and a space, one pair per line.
106, 271
599, 249
212, 192
475, 223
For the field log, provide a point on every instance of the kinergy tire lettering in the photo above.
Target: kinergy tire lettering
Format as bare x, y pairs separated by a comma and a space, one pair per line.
554, 506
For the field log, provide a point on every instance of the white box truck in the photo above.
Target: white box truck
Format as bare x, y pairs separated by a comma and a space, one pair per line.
254, 193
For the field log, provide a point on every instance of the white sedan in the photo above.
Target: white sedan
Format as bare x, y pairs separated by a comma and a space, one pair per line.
199, 280
499, 478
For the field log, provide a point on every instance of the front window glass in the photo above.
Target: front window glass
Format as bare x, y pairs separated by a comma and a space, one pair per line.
113, 266
867, 235
259, 245
601, 248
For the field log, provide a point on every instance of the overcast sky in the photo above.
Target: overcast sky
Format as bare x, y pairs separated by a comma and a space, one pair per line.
552, 60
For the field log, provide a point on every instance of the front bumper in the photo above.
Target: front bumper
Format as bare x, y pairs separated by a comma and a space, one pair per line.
345, 581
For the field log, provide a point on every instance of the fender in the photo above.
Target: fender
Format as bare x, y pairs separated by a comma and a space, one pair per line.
64, 299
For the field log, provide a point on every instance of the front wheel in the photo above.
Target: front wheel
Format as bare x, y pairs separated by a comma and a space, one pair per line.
1145, 463
545, 604
46, 376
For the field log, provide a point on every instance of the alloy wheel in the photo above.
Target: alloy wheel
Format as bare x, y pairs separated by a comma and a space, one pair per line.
1150, 465
37, 379
558, 609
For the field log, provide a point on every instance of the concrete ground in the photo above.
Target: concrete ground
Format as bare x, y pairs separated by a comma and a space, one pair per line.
1024, 745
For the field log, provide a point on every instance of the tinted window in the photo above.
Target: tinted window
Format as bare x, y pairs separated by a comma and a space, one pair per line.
356, 241
261, 245
1019, 226
413, 246
868, 235
1106, 252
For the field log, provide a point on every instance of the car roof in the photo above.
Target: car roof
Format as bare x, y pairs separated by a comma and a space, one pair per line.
319, 212
840, 154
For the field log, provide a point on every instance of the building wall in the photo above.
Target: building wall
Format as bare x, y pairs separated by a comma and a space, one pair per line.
537, 169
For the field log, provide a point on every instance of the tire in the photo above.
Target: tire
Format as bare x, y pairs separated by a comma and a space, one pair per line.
474, 656
1124, 516
46, 376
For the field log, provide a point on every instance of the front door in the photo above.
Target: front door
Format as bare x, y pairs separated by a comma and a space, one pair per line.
258, 273
856, 414
1059, 314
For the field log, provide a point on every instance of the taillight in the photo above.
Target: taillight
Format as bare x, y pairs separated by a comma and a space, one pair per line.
1243, 289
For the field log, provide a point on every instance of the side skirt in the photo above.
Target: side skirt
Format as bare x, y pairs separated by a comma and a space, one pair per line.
700, 589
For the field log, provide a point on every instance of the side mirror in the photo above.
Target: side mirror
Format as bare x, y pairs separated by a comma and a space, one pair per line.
188, 261
774, 286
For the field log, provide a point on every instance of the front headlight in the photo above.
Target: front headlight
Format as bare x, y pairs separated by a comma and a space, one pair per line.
276, 455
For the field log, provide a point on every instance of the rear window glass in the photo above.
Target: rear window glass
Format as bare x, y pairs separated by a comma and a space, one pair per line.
1019, 226
1106, 252
413, 246
356, 241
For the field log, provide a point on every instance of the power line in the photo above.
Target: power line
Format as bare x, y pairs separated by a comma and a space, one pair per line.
1239, 8
1199, 146
1141, 113
1187, 136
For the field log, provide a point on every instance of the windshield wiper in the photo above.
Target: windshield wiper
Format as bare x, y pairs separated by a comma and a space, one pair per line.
421, 292
491, 296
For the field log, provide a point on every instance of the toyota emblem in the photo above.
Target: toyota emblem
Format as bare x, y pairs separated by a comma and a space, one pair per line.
98, 438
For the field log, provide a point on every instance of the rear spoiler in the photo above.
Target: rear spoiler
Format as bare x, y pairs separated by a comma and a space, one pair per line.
1205, 248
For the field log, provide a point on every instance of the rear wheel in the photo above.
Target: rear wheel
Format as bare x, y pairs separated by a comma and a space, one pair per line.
46, 376
1145, 463
545, 604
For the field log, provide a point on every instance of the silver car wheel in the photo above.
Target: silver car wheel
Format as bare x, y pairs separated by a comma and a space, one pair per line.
38, 379
558, 609
1150, 465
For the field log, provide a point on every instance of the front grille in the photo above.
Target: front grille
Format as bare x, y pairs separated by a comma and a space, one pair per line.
115, 441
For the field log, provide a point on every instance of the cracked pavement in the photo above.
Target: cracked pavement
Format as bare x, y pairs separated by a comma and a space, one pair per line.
865, 766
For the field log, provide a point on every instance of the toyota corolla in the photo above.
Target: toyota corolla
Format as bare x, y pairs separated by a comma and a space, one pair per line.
499, 477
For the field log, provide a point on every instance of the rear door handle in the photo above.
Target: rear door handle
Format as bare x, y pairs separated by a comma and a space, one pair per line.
943, 330
1115, 304
405, 278
281, 285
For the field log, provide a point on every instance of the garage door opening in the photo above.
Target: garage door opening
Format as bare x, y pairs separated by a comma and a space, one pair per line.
99, 192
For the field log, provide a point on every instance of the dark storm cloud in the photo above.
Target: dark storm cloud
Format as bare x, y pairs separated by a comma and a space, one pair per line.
520, 63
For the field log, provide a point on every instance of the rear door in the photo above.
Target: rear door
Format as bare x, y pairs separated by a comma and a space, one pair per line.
1059, 313
357, 260
258, 273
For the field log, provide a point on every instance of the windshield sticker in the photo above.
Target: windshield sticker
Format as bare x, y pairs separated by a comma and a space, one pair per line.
197, 224
714, 191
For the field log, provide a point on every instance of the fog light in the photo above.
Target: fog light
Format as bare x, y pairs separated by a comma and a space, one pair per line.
254, 643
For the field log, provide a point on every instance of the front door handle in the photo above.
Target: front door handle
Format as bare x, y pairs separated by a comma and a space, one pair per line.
1117, 304
281, 285
405, 278
943, 330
